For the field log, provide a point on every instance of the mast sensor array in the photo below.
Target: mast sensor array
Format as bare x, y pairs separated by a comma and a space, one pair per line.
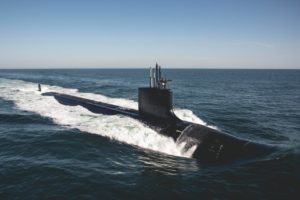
156, 80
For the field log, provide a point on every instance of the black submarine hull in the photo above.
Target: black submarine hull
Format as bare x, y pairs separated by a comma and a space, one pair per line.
212, 146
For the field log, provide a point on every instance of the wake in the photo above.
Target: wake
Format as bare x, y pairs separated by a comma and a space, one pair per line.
117, 127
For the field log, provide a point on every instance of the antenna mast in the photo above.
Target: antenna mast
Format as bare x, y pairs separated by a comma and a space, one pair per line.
156, 80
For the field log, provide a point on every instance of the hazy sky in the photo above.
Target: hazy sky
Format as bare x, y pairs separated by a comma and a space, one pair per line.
137, 33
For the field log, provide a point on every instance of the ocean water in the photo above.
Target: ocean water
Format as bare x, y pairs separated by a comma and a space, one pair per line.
52, 151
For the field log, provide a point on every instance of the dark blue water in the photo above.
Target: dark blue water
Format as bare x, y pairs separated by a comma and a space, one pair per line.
42, 159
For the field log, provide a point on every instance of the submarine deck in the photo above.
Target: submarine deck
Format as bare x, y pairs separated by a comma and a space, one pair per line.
93, 106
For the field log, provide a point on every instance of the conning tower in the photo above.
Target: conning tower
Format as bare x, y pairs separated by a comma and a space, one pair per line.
155, 101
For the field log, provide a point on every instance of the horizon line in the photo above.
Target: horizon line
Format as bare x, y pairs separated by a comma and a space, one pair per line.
212, 68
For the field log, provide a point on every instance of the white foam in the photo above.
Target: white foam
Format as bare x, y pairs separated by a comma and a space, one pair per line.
124, 129
188, 115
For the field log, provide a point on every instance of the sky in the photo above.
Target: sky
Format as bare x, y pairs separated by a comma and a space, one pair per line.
138, 33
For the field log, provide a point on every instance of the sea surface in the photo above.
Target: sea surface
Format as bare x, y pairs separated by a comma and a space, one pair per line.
53, 151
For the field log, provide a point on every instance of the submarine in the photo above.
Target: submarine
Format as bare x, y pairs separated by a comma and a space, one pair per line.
155, 110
